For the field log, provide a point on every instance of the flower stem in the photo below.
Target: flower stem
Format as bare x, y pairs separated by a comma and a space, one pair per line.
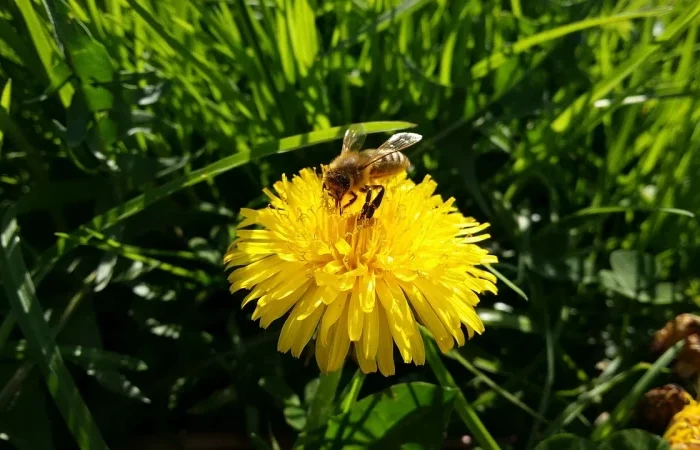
322, 404
353, 391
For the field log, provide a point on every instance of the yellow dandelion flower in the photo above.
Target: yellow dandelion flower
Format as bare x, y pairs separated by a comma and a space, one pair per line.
361, 282
683, 433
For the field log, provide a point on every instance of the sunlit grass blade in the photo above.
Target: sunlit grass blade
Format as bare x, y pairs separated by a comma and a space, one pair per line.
493, 385
322, 405
205, 68
198, 276
625, 209
640, 57
483, 67
508, 283
30, 318
44, 48
351, 393
5, 104
140, 202
382, 23
464, 409
500, 319
624, 410
603, 384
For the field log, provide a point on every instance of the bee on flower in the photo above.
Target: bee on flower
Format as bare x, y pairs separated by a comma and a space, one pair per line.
360, 276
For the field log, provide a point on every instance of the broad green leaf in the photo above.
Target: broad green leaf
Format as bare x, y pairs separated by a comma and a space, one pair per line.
621, 440
410, 415
632, 269
30, 318
287, 400
633, 276
634, 440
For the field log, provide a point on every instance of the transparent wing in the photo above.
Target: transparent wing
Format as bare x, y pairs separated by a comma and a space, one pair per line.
400, 141
354, 138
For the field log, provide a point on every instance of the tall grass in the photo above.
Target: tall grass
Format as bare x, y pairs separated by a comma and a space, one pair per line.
132, 131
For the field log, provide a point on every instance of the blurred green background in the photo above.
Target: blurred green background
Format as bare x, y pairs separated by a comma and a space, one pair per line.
132, 132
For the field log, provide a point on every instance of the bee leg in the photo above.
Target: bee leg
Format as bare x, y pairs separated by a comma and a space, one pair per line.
351, 201
370, 206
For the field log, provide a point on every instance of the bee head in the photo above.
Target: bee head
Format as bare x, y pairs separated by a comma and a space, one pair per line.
337, 184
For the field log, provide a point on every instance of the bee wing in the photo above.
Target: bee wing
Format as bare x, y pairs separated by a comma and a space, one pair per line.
400, 141
354, 138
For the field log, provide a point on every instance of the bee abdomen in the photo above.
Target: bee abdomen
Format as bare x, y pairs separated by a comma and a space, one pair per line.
390, 164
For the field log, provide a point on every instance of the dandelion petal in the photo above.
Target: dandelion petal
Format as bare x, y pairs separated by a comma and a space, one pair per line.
365, 284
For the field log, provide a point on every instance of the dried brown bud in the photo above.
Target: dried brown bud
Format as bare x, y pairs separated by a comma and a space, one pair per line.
660, 404
688, 360
675, 330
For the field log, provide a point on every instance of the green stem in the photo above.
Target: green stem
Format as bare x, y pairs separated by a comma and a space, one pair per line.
322, 404
464, 409
353, 391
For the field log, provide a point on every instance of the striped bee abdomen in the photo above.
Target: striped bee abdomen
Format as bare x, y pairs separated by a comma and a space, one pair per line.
386, 162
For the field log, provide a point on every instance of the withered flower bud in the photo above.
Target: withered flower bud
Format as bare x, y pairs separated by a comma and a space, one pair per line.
675, 330
688, 360
660, 404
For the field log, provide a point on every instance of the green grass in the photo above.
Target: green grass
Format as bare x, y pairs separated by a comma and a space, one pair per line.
132, 132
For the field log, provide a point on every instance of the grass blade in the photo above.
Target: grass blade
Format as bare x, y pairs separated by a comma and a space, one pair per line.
352, 391
509, 283
624, 209
44, 48
5, 104
624, 410
322, 405
30, 318
483, 67
500, 319
382, 23
464, 409
493, 385
140, 202
638, 59
604, 383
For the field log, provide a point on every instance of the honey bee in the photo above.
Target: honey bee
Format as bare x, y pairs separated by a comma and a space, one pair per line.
356, 171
